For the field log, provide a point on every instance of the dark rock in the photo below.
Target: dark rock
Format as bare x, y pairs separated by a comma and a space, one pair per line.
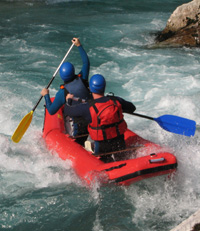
196, 227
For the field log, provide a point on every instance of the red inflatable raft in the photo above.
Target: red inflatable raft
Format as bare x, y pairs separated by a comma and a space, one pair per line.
144, 158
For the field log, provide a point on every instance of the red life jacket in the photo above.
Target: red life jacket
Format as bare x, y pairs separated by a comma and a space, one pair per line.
107, 120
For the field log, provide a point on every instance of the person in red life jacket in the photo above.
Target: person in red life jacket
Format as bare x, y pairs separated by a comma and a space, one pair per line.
76, 85
104, 115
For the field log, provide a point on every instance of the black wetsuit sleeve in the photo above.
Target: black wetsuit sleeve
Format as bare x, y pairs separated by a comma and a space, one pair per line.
127, 106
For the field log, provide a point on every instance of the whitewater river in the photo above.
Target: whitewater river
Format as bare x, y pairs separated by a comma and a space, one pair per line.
39, 191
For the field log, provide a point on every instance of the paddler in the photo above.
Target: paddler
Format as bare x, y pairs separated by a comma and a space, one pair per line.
104, 115
76, 84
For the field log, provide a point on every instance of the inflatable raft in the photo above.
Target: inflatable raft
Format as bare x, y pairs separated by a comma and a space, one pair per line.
141, 159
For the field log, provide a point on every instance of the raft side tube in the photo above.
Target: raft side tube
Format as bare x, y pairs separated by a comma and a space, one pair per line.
129, 171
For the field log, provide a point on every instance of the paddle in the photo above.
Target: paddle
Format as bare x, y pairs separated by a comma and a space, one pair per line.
174, 124
170, 123
25, 122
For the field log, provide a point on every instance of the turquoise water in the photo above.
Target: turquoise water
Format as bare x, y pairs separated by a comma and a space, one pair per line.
38, 191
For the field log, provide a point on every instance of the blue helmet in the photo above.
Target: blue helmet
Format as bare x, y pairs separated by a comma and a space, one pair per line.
97, 84
67, 71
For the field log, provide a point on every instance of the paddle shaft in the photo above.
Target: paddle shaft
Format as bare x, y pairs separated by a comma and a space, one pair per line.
136, 114
143, 116
25, 122
170, 123
54, 75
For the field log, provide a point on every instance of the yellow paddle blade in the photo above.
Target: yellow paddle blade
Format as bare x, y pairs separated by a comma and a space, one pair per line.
22, 127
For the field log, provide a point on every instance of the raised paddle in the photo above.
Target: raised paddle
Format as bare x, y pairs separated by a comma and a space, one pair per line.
170, 123
25, 122
174, 124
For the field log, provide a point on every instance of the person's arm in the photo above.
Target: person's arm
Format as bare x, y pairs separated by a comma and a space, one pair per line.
86, 63
57, 103
127, 106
